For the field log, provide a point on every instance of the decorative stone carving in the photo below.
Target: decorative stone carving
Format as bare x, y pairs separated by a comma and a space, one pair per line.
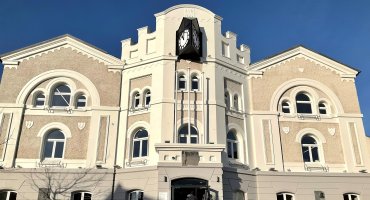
286, 130
81, 125
29, 124
331, 131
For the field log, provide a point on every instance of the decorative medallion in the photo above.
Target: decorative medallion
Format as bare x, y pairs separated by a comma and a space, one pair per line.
29, 124
331, 131
286, 130
81, 125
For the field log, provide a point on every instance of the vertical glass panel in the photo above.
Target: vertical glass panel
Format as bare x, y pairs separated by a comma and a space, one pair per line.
56, 134
144, 151
137, 101
13, 196
140, 196
289, 197
3, 195
235, 149
229, 150
304, 108
136, 149
77, 196
182, 82
59, 150
48, 149
87, 196
306, 154
345, 197
81, 102
194, 83
194, 140
133, 196
40, 100
315, 154
61, 100
280, 197
62, 89
182, 139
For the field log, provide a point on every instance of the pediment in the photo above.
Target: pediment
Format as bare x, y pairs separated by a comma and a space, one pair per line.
343, 70
65, 41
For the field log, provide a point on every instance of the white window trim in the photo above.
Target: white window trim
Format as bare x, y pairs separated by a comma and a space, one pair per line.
54, 146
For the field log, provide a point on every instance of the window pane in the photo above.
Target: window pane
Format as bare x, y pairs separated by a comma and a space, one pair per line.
182, 85
59, 150
136, 149
3, 195
182, 140
137, 101
302, 97
140, 196
48, 149
194, 83
345, 197
87, 196
56, 134
286, 110
304, 108
308, 140
13, 196
315, 154
289, 197
231, 135
141, 134
147, 100
306, 154
280, 197
81, 102
133, 196
77, 196
144, 150
61, 100
229, 150
235, 149
62, 88
40, 100
194, 140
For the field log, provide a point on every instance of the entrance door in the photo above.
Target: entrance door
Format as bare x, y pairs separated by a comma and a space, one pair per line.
189, 189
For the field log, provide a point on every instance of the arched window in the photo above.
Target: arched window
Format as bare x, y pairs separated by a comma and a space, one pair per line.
54, 145
284, 196
81, 101
232, 145
39, 100
61, 96
351, 196
285, 107
303, 103
236, 102
194, 83
322, 108
184, 136
310, 151
136, 100
147, 98
8, 195
182, 82
227, 100
81, 195
136, 195
140, 144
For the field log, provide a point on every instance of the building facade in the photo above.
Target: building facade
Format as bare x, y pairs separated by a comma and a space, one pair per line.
182, 113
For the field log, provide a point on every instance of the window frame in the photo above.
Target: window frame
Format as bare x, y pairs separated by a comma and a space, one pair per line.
78, 100
310, 148
187, 136
82, 195
136, 100
350, 195
181, 78
323, 108
8, 193
54, 143
129, 197
195, 79
289, 106
232, 142
147, 95
62, 94
140, 140
304, 102
285, 194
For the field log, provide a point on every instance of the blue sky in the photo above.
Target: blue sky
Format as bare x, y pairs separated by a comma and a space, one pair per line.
337, 28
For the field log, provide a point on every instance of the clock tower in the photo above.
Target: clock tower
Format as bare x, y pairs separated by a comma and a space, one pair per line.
189, 39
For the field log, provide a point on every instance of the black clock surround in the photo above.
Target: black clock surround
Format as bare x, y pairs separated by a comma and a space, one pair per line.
189, 39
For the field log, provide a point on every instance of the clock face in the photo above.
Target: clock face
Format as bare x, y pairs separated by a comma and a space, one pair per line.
184, 39
196, 41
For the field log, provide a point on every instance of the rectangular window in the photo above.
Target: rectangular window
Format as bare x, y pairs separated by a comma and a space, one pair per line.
225, 50
144, 148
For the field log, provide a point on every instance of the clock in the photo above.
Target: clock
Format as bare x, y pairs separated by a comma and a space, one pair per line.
184, 39
189, 40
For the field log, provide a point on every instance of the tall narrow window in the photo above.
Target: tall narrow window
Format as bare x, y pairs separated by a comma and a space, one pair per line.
236, 102
81, 196
227, 100
40, 100
182, 82
194, 83
54, 145
232, 145
184, 136
140, 144
147, 98
284, 196
61, 96
351, 196
322, 108
8, 195
81, 101
310, 150
285, 107
136, 100
136, 195
303, 104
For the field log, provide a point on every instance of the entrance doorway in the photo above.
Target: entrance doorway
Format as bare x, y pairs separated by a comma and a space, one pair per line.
189, 189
